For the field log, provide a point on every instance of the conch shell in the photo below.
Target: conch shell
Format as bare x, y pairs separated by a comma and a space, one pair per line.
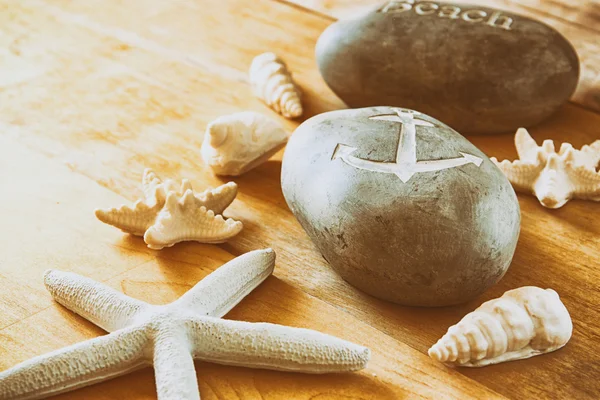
523, 323
236, 143
554, 178
171, 212
272, 82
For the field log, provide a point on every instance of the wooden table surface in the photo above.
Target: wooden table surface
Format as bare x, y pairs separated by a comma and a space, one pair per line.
94, 91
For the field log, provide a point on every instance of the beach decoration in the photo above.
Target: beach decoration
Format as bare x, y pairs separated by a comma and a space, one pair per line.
272, 83
170, 337
235, 143
523, 323
171, 213
401, 206
478, 69
553, 177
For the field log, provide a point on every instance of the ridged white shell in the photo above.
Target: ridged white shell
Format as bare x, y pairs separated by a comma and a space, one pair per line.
272, 82
236, 143
554, 178
523, 323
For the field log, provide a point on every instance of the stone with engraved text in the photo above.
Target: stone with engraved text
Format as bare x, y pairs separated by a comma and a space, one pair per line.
478, 69
401, 206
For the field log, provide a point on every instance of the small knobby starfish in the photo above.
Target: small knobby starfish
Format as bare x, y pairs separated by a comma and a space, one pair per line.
554, 178
171, 336
170, 213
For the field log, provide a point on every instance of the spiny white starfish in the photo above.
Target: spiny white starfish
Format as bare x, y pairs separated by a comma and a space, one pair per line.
171, 336
554, 178
170, 213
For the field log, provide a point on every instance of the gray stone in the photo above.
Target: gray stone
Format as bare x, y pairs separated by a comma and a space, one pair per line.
475, 68
413, 232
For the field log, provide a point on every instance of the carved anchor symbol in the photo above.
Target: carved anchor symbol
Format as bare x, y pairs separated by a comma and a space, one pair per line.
406, 164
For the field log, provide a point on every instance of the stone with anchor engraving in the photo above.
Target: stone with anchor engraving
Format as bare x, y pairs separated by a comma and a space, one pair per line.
401, 206
477, 69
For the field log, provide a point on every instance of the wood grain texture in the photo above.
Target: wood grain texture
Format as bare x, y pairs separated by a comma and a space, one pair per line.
396, 370
91, 96
578, 21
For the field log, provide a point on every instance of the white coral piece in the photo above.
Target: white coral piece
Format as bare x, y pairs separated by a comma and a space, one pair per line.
171, 336
236, 143
170, 213
272, 82
554, 178
523, 323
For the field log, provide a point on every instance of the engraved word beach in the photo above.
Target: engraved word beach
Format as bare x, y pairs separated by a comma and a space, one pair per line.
494, 19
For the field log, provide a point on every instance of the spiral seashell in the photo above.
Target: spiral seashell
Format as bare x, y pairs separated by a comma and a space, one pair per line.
272, 82
523, 323
236, 143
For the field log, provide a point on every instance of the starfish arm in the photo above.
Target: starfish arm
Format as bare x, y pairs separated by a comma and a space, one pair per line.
589, 155
134, 220
150, 181
72, 367
183, 220
217, 199
98, 303
277, 347
223, 289
174, 367
585, 182
526, 145
521, 175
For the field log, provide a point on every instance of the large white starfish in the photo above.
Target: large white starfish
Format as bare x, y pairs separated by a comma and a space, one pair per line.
171, 336
170, 213
554, 178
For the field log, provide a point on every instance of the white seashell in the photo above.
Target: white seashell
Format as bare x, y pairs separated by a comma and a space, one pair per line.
272, 82
523, 323
236, 143
170, 213
554, 178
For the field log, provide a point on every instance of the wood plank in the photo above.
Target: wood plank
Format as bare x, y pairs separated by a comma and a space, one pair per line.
112, 95
585, 13
396, 370
579, 22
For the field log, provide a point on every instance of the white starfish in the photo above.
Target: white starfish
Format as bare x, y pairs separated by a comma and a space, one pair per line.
170, 213
554, 178
171, 336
